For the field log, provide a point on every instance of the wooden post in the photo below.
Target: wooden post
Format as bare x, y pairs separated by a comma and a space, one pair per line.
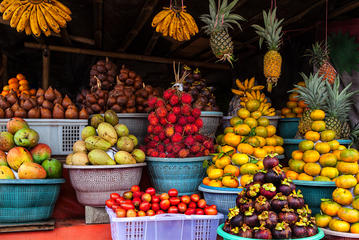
45, 68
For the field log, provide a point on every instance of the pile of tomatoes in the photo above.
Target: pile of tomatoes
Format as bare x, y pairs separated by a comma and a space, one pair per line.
135, 203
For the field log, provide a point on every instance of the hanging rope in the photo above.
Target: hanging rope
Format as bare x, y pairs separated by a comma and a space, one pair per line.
215, 24
182, 5
326, 25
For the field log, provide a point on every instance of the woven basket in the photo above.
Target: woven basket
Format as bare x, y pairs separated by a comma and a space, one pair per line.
211, 121
334, 235
94, 184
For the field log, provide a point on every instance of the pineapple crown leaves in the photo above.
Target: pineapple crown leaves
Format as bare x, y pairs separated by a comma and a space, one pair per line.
221, 19
318, 54
354, 135
314, 94
271, 32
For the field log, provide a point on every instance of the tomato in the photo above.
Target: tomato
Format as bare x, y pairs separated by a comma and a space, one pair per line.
125, 201
160, 212
182, 207
195, 197
165, 204
136, 202
141, 214
137, 194
202, 203
185, 199
131, 213
155, 199
164, 196
146, 197
173, 209
109, 203
135, 188
173, 192
115, 206
190, 211
127, 206
155, 207
210, 210
128, 195
119, 200
150, 213
120, 212
145, 206
192, 205
151, 191
213, 206
199, 211
175, 201
114, 196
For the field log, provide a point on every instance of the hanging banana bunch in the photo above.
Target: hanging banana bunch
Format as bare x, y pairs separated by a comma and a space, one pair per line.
175, 23
36, 16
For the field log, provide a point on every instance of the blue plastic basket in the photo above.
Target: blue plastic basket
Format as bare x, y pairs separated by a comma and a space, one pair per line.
223, 198
183, 174
23, 200
288, 127
314, 191
211, 121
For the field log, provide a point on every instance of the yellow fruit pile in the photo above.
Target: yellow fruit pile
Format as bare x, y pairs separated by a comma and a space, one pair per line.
294, 107
177, 24
19, 84
341, 213
320, 157
251, 96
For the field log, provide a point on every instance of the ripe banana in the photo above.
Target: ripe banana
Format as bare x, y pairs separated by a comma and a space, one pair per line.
10, 10
63, 14
160, 16
24, 19
50, 20
28, 29
34, 23
42, 22
17, 15
5, 4
251, 83
61, 6
60, 20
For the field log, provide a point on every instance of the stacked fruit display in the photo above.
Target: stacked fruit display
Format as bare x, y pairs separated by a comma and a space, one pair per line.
294, 107
18, 84
270, 208
250, 95
174, 126
20, 153
103, 73
202, 95
341, 213
105, 142
135, 203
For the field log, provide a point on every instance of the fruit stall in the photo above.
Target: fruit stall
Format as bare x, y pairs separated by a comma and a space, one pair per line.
188, 120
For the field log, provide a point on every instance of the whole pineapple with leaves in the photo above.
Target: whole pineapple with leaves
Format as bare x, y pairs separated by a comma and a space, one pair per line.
217, 23
337, 108
272, 34
314, 94
319, 57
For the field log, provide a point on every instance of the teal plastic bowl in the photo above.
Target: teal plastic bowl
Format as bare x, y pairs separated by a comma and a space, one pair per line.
23, 200
314, 191
227, 236
291, 145
183, 174
288, 127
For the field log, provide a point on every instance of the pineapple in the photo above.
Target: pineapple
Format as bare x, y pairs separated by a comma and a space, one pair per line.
272, 34
337, 108
319, 57
217, 24
315, 95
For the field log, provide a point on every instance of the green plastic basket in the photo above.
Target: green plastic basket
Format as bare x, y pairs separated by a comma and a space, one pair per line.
227, 236
23, 200
314, 192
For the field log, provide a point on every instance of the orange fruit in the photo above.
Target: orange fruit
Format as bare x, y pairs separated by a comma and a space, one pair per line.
271, 130
285, 111
296, 165
318, 126
248, 168
299, 115
223, 162
240, 159
235, 120
252, 105
291, 175
271, 141
349, 155
305, 177
322, 147
263, 121
291, 115
312, 136
322, 220
210, 168
341, 147
245, 179
317, 115
312, 169
259, 153
279, 140
297, 155
256, 114
269, 149
291, 104
261, 131
229, 181
346, 181
354, 228
19, 76
337, 153
262, 141
342, 196
228, 130
330, 172
279, 150
242, 129
298, 110
347, 168
243, 113
215, 173
311, 156
227, 149
327, 135
206, 181
215, 183
334, 144
293, 97
232, 139
302, 104
328, 160
329, 207
231, 169
251, 122
253, 141
339, 226
245, 148
306, 145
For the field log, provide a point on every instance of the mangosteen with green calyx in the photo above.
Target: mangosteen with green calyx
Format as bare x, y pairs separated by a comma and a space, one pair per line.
304, 211
278, 202
296, 200
270, 161
245, 231
261, 204
262, 233
299, 230
245, 204
253, 190
250, 217
288, 215
196, 74
268, 218
227, 227
282, 231
312, 229
275, 176
259, 177
268, 190
286, 187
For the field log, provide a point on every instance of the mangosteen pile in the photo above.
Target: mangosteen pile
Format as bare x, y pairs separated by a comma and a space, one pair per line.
269, 207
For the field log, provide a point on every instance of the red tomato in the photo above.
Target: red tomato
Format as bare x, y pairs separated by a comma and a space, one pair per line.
213, 206
199, 211
182, 207
192, 205
164, 196
190, 211
135, 188
210, 210
137, 194
119, 200
155, 199
120, 212
115, 206
145, 206
128, 195
136, 202
202, 203
155, 207
150, 213
114, 196
151, 191
173, 192
141, 214
195, 197
175, 201
131, 213
109, 203
125, 201
185, 199
160, 212
146, 197
173, 209
127, 206
165, 204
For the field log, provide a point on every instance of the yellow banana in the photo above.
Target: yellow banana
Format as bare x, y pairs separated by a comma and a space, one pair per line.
50, 20
181, 36
63, 14
243, 104
249, 95
193, 22
166, 23
17, 15
34, 23
160, 17
158, 27
186, 32
251, 83
263, 96
246, 84
265, 108
259, 87
258, 95
42, 22
61, 6
237, 92
60, 20
28, 29
271, 114
24, 19
172, 28
5, 4
240, 85
10, 10
188, 23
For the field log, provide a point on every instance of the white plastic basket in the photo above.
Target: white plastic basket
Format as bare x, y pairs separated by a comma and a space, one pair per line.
59, 134
165, 226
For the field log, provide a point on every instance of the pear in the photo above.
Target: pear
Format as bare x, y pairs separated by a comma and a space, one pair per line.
69, 159
121, 130
96, 120
111, 117
123, 157
79, 158
88, 132
100, 157
96, 142
134, 139
79, 146
139, 155
125, 144
107, 132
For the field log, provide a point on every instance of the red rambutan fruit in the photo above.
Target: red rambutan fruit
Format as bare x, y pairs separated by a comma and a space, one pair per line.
208, 144
152, 118
182, 121
167, 141
157, 129
178, 129
186, 98
183, 153
187, 129
199, 138
186, 109
169, 108
163, 121
176, 148
154, 153
162, 135
160, 148
168, 93
152, 102
171, 155
196, 112
176, 110
199, 122
194, 129
177, 137
160, 103
150, 129
171, 117
169, 131
174, 100
196, 148
189, 141
161, 112
169, 148
162, 155
191, 119
156, 139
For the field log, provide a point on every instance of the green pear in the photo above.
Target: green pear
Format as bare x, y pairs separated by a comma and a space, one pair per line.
100, 157
123, 157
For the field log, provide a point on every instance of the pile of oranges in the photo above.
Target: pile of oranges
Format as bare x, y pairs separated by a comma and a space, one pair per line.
320, 157
18, 84
341, 213
295, 108
242, 147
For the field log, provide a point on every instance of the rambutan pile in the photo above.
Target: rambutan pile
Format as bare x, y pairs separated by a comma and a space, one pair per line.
173, 130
